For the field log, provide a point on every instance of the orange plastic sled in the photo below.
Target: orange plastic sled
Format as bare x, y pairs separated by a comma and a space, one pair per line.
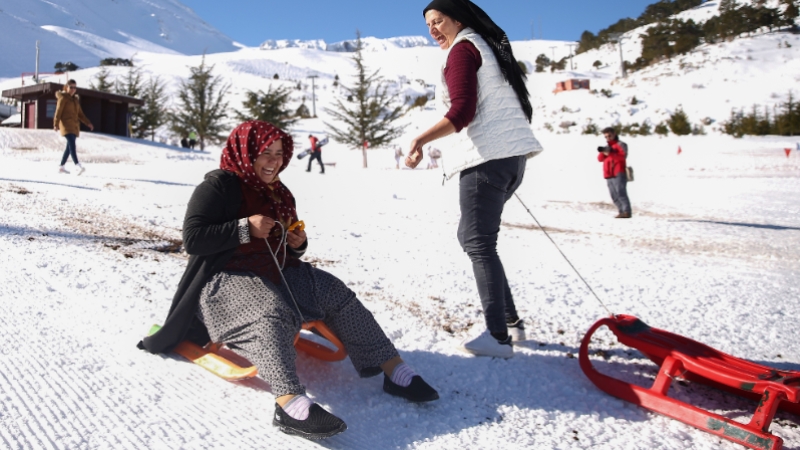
210, 357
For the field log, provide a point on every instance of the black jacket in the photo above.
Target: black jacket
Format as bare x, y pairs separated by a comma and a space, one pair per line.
210, 237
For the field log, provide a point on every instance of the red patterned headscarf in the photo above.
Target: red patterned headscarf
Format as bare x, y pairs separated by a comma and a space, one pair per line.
246, 143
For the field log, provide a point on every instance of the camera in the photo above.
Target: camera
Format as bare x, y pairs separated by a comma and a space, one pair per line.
602, 149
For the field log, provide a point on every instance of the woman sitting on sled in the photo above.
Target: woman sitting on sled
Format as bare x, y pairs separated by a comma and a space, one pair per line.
232, 291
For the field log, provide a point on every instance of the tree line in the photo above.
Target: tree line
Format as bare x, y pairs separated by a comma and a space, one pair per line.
782, 119
201, 106
670, 37
653, 13
674, 37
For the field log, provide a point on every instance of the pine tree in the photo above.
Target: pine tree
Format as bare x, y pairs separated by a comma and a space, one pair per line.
727, 5
791, 12
154, 111
678, 123
371, 119
201, 106
131, 85
270, 106
542, 61
102, 82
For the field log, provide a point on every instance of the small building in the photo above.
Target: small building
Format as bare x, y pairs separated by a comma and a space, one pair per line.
108, 112
571, 85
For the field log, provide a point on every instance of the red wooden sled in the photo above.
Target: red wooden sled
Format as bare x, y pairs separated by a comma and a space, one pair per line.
680, 357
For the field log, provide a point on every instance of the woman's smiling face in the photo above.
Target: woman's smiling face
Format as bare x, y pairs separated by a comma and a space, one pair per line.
269, 163
443, 28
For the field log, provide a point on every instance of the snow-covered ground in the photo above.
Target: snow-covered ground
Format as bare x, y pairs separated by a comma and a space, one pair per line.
88, 264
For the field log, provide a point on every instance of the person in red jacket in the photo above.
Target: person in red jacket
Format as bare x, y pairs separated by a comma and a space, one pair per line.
316, 153
613, 158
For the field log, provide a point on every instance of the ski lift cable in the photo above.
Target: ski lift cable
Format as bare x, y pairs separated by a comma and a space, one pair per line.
565, 256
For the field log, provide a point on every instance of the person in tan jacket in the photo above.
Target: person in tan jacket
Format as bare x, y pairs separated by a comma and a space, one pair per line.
67, 120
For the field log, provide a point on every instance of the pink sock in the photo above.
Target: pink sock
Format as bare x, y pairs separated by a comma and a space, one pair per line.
402, 375
297, 408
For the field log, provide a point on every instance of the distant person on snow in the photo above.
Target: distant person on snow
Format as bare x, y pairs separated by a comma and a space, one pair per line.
433, 157
232, 291
613, 156
67, 120
316, 153
484, 89
184, 142
398, 155
192, 140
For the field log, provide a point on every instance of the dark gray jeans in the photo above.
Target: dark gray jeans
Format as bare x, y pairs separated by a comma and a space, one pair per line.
484, 190
618, 187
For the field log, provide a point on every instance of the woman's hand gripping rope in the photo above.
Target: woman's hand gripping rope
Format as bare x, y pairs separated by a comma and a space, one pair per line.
295, 229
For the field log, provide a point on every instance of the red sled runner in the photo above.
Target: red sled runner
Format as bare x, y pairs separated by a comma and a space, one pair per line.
680, 357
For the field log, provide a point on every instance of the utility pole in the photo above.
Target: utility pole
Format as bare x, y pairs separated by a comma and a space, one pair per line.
618, 37
313, 94
571, 46
36, 75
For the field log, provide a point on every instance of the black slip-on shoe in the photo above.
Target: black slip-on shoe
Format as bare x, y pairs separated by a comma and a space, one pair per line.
320, 424
418, 391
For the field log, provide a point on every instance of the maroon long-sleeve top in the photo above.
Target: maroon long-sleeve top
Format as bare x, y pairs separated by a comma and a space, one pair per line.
461, 76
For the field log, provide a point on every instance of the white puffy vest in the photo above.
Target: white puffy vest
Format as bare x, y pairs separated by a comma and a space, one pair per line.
500, 128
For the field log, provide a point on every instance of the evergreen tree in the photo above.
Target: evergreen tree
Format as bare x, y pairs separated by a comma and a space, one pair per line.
154, 111
303, 112
791, 12
132, 85
371, 119
201, 106
542, 61
678, 123
270, 106
102, 82
727, 5
670, 38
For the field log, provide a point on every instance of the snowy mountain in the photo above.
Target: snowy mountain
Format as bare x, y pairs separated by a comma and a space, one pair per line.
85, 31
370, 44
706, 83
316, 44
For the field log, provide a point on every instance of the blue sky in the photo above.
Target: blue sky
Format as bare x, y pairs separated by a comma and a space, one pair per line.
254, 21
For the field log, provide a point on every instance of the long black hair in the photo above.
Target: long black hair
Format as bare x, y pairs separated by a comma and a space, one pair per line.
474, 17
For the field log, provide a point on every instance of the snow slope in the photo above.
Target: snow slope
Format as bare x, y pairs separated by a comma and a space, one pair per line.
711, 253
706, 83
85, 31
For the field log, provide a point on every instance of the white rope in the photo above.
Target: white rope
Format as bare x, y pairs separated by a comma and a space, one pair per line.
565, 256
282, 243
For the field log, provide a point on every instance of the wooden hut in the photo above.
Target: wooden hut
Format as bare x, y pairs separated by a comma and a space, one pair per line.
108, 112
571, 85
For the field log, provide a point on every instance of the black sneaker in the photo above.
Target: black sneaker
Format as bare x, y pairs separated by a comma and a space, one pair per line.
320, 424
418, 391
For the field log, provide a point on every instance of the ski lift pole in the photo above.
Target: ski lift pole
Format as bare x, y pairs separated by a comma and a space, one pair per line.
565, 256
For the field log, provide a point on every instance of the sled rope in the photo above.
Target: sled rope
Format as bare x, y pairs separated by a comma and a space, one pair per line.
282, 243
565, 256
